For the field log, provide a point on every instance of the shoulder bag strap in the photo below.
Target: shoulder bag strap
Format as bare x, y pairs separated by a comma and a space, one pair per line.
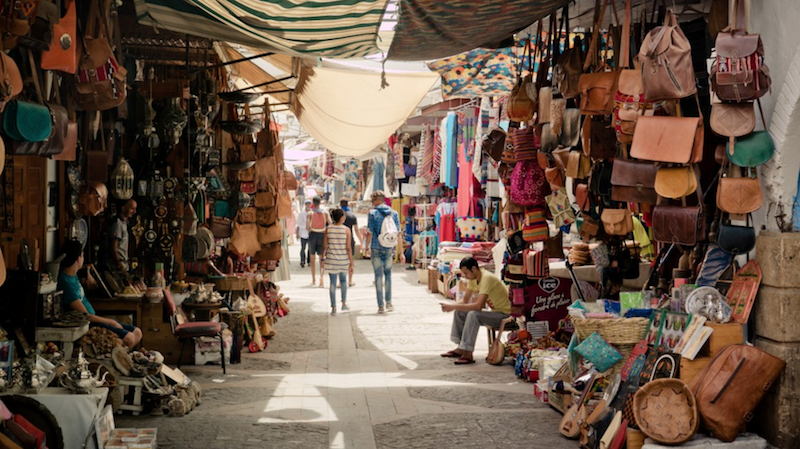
592, 55
739, 19
625, 47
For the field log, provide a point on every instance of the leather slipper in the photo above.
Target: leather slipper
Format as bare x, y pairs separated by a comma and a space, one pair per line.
451, 354
463, 361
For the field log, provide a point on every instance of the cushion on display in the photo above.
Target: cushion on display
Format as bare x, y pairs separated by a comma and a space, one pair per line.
596, 350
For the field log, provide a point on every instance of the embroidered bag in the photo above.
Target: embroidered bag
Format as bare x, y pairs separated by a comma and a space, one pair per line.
535, 228
528, 184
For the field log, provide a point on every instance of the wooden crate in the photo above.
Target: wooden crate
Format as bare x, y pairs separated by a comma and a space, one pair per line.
723, 335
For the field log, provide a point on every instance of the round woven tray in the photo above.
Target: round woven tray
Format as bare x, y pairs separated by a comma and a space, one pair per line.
666, 411
619, 331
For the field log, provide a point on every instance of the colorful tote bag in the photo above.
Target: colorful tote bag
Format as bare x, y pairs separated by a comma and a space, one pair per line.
535, 228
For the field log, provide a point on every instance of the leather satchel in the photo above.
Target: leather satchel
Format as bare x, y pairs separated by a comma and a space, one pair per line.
598, 137
634, 182
739, 195
493, 143
579, 166
569, 65
597, 92
244, 238
265, 199
55, 143
24, 121
63, 52
10, 80
273, 251
582, 197
735, 239
667, 70
617, 221
555, 177
678, 225
267, 216
221, 227
520, 107
676, 140
676, 182
738, 72
269, 234
732, 119
752, 150
731, 386
497, 352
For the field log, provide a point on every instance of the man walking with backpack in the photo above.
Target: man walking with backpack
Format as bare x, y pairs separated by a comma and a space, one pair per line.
382, 235
317, 222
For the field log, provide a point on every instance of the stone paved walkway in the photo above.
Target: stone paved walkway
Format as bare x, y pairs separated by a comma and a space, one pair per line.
360, 380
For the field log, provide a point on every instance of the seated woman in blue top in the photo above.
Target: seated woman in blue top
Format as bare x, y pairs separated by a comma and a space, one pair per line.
75, 299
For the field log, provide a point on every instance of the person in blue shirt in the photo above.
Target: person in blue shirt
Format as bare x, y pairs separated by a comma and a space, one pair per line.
410, 236
382, 257
74, 297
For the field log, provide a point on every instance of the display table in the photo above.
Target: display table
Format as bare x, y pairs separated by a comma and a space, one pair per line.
75, 413
117, 306
64, 335
588, 273
202, 311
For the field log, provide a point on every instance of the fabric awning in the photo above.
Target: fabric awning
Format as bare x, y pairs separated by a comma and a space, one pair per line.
434, 29
347, 112
254, 75
322, 28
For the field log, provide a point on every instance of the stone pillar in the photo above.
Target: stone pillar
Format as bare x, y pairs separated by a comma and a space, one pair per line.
777, 315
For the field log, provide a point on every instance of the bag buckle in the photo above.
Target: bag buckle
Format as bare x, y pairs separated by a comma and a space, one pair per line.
748, 416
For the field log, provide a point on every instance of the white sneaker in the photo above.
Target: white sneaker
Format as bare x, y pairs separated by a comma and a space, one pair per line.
381, 311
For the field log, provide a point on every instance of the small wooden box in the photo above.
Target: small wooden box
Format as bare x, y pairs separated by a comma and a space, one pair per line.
559, 400
723, 335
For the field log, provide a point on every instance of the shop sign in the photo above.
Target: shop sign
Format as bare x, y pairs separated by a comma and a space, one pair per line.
549, 299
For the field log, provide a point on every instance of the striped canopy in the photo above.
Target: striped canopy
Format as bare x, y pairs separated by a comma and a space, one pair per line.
321, 28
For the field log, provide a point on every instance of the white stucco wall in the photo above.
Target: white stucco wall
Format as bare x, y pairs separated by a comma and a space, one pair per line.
778, 22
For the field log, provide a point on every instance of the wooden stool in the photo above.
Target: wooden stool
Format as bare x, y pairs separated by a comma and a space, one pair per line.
132, 394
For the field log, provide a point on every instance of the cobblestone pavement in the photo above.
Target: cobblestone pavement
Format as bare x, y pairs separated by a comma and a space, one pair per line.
360, 380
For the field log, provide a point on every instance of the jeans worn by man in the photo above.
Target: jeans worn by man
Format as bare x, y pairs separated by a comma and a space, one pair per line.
483, 289
382, 257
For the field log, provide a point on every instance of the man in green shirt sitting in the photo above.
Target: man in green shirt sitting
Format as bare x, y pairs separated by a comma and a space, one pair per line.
484, 289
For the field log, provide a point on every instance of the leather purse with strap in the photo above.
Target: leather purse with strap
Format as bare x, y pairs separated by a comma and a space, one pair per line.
569, 65
634, 182
101, 79
629, 101
736, 240
597, 89
63, 52
680, 225
739, 195
732, 119
617, 221
676, 182
753, 149
675, 140
597, 137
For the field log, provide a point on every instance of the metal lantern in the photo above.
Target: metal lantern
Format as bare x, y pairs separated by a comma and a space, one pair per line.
122, 181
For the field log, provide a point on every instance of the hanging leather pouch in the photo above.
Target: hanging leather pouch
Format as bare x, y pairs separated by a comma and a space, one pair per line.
24, 121
634, 181
675, 182
617, 221
677, 140
736, 239
739, 195
752, 150
732, 119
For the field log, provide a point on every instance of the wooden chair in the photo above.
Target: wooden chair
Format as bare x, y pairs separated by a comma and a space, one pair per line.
189, 331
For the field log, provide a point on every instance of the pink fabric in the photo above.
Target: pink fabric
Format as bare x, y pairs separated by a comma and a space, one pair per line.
465, 178
447, 228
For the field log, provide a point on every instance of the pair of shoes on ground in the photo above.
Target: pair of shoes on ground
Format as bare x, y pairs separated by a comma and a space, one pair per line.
460, 359
388, 308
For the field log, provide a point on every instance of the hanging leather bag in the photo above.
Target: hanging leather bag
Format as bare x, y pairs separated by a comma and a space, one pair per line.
732, 119
739, 195
269, 234
676, 140
617, 221
666, 57
16, 20
244, 236
101, 78
598, 137
520, 107
680, 225
735, 239
579, 165
597, 89
569, 66
738, 72
676, 182
634, 182
753, 149
629, 101
10, 80
493, 143
731, 386
63, 52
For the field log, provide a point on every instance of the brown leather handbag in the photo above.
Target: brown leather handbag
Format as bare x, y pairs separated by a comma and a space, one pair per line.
266, 216
273, 251
63, 52
579, 165
732, 119
569, 65
10, 80
582, 197
598, 137
731, 386
634, 181
284, 204
244, 238
520, 107
93, 198
221, 227
269, 234
676, 182
739, 195
676, 140
265, 199
597, 89
247, 215
666, 56
680, 225
101, 79
739, 73
617, 221
493, 143
629, 102
555, 177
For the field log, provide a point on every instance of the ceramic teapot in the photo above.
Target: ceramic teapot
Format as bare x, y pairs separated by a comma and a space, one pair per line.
79, 379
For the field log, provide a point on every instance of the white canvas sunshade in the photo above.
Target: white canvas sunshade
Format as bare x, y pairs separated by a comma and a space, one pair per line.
347, 112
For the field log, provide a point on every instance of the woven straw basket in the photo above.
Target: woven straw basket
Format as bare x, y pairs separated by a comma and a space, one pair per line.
622, 333
666, 411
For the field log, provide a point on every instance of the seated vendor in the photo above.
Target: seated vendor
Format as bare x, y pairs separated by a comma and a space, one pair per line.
484, 289
74, 297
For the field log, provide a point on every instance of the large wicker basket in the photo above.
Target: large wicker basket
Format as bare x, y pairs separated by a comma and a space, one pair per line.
622, 333
666, 411
618, 331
